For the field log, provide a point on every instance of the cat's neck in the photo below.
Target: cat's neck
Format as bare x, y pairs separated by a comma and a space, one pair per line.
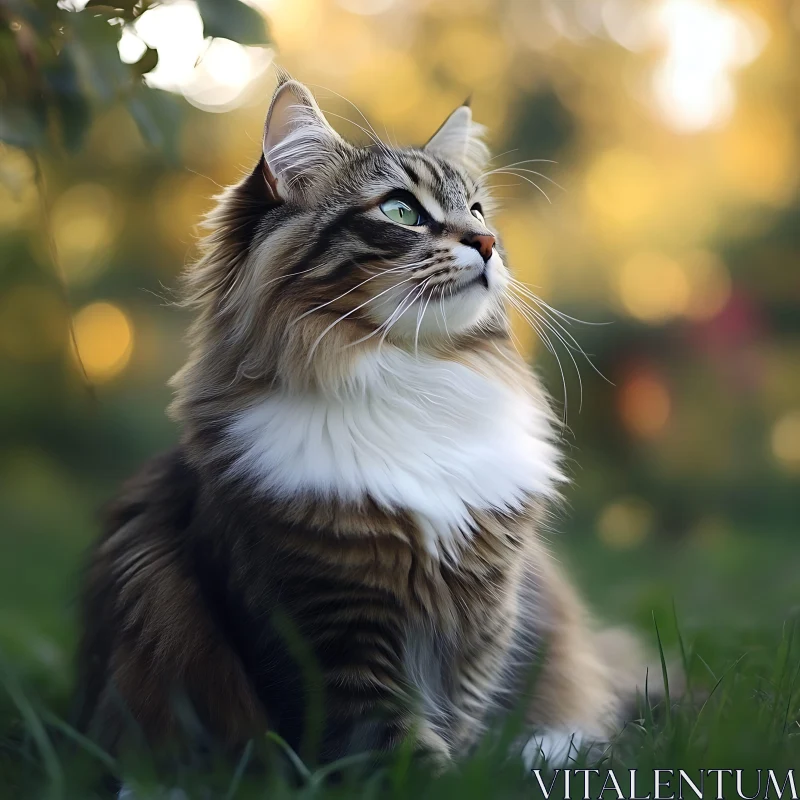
413, 432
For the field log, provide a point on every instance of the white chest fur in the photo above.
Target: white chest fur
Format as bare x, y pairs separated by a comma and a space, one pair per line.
432, 437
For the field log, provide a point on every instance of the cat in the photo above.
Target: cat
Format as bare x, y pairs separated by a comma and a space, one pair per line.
367, 466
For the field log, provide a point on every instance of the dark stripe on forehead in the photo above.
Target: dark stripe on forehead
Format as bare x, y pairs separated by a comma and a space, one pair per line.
433, 166
410, 171
455, 177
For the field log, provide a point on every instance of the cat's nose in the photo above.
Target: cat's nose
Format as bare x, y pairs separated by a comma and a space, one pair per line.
482, 242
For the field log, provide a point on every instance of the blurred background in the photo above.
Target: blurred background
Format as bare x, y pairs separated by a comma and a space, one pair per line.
673, 128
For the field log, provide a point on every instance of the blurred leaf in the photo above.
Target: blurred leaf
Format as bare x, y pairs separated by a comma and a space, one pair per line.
96, 57
148, 61
22, 127
69, 104
232, 19
27, 11
157, 115
127, 9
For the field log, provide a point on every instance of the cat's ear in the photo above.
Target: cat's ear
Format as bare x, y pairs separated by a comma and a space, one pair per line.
461, 140
299, 145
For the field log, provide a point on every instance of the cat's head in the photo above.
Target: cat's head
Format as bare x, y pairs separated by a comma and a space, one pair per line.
328, 249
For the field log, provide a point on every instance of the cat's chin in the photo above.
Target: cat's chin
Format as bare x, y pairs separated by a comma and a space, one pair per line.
463, 311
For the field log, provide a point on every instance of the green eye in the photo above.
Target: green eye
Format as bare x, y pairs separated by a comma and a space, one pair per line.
400, 211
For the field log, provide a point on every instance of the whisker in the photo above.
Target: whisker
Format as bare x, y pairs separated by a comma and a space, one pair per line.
515, 170
505, 153
524, 311
343, 294
525, 287
373, 136
398, 268
548, 324
352, 311
567, 333
420, 315
530, 161
383, 324
532, 183
399, 311
377, 138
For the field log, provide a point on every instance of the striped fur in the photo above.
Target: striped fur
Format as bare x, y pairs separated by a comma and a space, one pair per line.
366, 465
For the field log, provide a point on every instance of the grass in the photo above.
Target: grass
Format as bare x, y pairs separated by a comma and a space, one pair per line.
737, 639
746, 718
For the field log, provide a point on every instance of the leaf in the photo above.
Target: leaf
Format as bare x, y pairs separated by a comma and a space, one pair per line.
96, 58
119, 8
21, 127
147, 63
157, 115
70, 104
232, 19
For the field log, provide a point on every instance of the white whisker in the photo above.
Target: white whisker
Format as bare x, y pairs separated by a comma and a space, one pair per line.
532, 183
420, 315
352, 311
515, 170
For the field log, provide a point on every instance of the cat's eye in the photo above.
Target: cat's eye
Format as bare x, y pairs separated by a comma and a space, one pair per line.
401, 211
477, 212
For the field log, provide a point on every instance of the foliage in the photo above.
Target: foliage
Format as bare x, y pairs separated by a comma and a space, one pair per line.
60, 67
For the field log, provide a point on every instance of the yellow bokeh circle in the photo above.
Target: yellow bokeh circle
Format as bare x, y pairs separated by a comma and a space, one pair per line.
785, 439
104, 336
653, 288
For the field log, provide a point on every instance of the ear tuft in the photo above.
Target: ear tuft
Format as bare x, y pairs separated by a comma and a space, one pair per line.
299, 145
282, 75
461, 140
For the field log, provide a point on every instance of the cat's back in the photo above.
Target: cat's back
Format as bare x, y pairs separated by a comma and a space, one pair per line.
149, 628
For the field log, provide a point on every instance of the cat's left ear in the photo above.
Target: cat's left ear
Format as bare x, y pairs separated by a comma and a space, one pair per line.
299, 145
461, 140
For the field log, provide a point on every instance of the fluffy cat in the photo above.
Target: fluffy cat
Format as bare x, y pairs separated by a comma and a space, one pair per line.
366, 464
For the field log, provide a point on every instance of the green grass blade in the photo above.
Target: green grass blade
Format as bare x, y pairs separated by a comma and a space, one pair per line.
711, 694
238, 774
296, 761
83, 742
684, 655
664, 672
52, 766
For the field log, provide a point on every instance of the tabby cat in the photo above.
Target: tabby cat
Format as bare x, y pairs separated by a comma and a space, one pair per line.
366, 467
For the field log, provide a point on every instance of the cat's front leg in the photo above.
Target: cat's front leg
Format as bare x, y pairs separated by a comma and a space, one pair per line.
584, 679
367, 698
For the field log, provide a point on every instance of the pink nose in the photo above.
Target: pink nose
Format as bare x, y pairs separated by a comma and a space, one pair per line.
482, 242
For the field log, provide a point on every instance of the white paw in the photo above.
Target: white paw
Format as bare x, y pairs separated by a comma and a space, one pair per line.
556, 748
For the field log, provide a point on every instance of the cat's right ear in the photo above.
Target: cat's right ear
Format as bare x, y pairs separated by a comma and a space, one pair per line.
299, 145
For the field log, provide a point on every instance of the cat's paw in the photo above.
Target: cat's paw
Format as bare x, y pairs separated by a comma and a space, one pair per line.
554, 747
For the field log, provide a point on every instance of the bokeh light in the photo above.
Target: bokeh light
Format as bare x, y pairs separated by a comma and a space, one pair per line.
212, 74
709, 284
85, 221
18, 201
653, 288
785, 439
104, 336
705, 41
625, 523
644, 404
